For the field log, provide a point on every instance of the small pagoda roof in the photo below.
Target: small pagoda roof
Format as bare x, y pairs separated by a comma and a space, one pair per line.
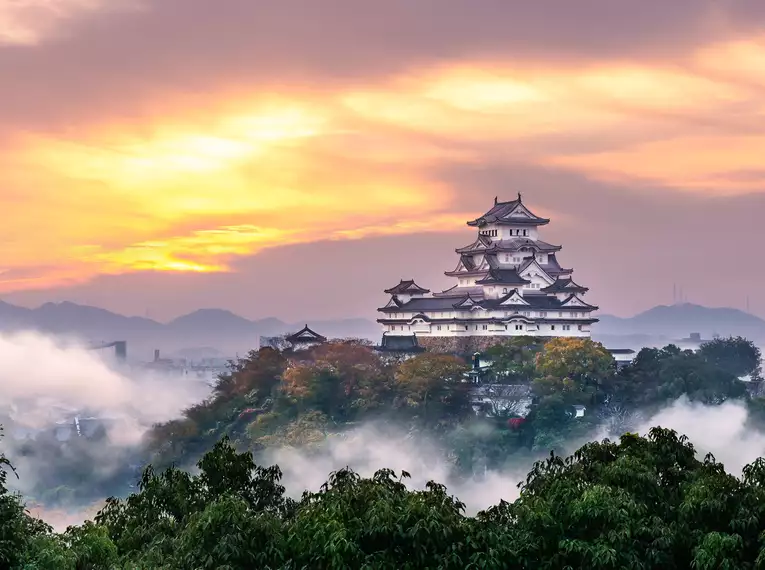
408, 287
509, 213
503, 277
305, 335
565, 285
395, 343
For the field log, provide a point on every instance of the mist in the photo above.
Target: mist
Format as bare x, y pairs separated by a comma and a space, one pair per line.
47, 382
721, 430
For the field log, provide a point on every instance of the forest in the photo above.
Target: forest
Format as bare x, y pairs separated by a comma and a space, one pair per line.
630, 502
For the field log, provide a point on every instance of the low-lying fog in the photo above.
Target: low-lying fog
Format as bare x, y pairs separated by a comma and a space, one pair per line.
46, 381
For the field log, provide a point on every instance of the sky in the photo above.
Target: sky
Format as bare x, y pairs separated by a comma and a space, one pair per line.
295, 158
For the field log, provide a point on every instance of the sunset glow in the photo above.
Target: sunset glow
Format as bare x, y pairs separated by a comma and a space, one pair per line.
192, 189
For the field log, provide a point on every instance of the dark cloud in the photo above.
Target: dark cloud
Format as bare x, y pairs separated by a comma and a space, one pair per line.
117, 61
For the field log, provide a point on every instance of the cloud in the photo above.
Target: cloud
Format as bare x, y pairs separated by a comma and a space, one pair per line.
279, 123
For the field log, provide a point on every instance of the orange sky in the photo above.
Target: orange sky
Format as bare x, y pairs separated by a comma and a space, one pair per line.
130, 144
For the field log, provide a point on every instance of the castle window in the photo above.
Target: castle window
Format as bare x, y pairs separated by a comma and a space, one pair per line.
519, 327
580, 327
504, 289
524, 232
438, 327
552, 327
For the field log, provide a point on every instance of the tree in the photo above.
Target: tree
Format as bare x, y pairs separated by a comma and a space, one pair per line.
735, 355
579, 369
255, 376
513, 360
659, 376
340, 381
433, 386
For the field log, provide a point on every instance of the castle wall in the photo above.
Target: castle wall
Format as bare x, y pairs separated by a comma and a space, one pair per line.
460, 345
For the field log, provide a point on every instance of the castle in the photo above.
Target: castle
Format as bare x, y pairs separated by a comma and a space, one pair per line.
508, 282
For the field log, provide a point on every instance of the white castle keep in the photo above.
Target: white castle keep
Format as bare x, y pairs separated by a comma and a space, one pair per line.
508, 282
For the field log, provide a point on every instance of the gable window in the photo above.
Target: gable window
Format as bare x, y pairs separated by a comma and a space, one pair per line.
519, 327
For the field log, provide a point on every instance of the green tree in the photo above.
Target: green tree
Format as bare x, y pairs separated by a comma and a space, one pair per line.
659, 376
735, 355
513, 360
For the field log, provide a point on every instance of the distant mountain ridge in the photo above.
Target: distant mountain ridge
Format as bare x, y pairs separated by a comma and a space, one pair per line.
216, 329
224, 331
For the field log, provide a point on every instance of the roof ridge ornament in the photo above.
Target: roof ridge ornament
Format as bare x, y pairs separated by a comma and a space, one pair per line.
495, 200
519, 197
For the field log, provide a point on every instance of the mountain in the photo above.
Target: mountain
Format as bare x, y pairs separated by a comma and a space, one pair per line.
214, 329
217, 331
673, 322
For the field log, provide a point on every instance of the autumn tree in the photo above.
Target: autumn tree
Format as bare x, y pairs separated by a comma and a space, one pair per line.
577, 368
433, 386
255, 375
341, 380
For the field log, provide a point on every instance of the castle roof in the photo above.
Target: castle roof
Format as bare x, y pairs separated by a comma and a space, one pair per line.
305, 335
502, 277
462, 300
486, 244
565, 285
407, 288
395, 343
509, 213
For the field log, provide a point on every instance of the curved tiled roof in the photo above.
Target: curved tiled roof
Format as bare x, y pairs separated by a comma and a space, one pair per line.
408, 287
501, 213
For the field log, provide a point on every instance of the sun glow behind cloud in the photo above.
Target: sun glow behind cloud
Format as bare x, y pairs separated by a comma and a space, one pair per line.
191, 191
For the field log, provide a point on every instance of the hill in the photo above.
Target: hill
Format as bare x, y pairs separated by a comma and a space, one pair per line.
671, 322
215, 329
228, 333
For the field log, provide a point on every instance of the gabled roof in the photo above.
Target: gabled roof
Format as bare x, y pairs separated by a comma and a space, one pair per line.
574, 301
565, 285
503, 277
305, 335
541, 269
513, 298
466, 301
394, 302
509, 213
408, 287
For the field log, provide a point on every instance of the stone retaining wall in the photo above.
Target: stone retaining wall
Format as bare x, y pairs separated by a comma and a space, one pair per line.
459, 344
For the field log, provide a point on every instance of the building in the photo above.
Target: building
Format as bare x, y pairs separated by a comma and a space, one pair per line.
301, 340
507, 282
398, 347
622, 356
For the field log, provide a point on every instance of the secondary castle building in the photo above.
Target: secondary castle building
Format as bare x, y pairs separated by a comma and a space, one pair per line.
507, 282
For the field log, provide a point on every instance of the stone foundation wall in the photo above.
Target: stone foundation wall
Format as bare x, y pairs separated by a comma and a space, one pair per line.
465, 345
